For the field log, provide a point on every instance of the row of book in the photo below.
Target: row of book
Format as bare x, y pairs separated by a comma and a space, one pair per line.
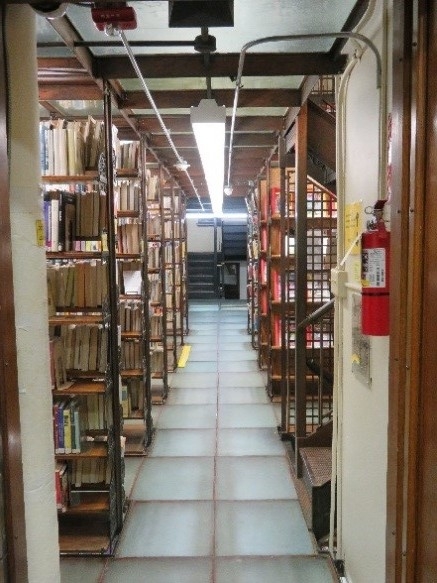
132, 397
70, 218
131, 316
153, 255
156, 358
84, 348
128, 237
127, 154
127, 195
156, 325
131, 354
152, 182
77, 284
69, 148
73, 418
69, 476
155, 287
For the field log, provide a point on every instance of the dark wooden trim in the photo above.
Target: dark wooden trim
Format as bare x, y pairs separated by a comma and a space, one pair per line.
221, 65
9, 398
423, 456
353, 19
412, 431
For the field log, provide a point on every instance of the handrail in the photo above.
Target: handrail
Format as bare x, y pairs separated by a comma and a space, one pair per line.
316, 315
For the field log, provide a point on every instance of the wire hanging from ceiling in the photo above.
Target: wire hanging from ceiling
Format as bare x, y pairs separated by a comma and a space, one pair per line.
181, 163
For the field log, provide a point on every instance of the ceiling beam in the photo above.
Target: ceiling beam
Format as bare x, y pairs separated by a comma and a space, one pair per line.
188, 98
189, 141
220, 65
181, 124
173, 99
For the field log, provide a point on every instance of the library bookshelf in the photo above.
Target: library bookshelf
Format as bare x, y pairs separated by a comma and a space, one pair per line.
79, 219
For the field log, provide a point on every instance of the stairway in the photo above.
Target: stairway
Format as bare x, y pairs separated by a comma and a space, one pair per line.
316, 475
202, 273
315, 454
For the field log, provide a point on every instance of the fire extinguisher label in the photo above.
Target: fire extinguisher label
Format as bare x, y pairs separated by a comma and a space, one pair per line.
374, 268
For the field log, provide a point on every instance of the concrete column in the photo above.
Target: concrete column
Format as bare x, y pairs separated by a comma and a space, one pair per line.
31, 300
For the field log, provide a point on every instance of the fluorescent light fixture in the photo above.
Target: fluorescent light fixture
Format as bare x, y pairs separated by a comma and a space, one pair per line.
208, 120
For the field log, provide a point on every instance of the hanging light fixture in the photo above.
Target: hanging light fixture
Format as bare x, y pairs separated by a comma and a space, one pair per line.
208, 121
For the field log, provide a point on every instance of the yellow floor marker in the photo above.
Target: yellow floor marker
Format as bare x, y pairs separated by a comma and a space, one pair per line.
185, 353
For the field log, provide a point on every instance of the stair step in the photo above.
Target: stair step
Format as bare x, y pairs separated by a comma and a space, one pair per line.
316, 475
318, 465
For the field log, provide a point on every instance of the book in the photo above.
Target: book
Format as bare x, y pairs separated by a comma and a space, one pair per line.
61, 486
67, 428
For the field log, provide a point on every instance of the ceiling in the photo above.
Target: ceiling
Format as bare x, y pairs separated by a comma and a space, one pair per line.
74, 58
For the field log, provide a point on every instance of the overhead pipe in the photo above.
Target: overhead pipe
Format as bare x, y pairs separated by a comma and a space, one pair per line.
291, 37
180, 161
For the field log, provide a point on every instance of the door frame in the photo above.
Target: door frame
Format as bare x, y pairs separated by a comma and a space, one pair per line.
412, 430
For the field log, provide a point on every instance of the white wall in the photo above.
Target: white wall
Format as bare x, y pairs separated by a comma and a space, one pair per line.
199, 239
363, 407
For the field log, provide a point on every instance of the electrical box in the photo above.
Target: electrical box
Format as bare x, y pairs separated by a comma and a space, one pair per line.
122, 17
338, 282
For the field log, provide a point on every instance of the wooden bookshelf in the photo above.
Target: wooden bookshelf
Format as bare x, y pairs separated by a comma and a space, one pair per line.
80, 244
133, 291
156, 216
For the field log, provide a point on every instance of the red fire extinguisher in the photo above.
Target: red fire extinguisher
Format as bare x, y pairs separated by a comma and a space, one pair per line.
375, 273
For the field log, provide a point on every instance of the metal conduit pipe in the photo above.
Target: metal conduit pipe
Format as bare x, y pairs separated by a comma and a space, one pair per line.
268, 39
181, 161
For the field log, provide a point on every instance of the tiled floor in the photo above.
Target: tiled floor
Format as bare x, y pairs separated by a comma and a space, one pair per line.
214, 501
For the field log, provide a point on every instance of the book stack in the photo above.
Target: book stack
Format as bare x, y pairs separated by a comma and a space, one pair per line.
156, 358
155, 287
127, 155
154, 253
152, 182
84, 348
131, 316
90, 216
153, 226
128, 236
168, 229
131, 355
69, 148
89, 471
156, 325
80, 284
59, 213
58, 370
127, 195
61, 486
68, 426
132, 397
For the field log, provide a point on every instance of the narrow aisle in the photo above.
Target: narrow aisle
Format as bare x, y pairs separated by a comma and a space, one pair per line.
214, 501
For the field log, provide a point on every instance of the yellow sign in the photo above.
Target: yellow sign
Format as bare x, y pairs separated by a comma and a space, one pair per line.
352, 223
185, 353
40, 238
